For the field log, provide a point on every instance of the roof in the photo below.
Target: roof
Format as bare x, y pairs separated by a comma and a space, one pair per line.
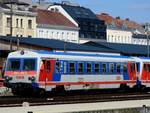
4, 6
57, 44
53, 18
125, 49
79, 12
109, 20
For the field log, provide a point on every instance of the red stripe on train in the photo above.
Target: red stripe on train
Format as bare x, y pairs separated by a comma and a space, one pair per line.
10, 73
81, 83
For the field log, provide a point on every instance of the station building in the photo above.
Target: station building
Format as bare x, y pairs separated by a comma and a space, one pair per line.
16, 43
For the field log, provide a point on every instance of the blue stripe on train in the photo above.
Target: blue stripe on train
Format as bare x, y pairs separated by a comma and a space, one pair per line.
56, 77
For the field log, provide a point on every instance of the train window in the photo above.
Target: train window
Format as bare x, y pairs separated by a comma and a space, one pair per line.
111, 68
13, 65
48, 66
72, 68
89, 68
132, 67
103, 68
118, 68
148, 67
124, 69
65, 67
145, 67
57, 67
29, 64
80, 68
138, 67
96, 68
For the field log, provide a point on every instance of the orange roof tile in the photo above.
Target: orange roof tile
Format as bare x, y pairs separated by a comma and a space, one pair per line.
119, 22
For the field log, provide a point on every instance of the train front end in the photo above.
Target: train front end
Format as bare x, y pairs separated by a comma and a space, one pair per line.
21, 72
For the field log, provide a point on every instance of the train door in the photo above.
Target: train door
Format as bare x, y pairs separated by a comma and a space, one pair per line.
46, 70
148, 71
132, 71
144, 71
125, 71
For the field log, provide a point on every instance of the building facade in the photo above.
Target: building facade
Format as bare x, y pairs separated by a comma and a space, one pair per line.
91, 28
123, 31
23, 21
119, 36
53, 25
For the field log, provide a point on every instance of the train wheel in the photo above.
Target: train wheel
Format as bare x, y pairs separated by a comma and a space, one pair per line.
59, 89
140, 88
124, 87
39, 92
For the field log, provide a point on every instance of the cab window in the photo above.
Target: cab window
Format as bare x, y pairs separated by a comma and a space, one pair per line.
13, 64
29, 64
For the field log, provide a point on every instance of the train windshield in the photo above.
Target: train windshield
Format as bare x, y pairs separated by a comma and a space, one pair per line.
29, 64
13, 64
21, 65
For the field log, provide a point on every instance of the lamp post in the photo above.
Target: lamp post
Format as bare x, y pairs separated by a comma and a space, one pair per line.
147, 37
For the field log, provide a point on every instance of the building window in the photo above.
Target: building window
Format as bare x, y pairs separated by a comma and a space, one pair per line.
8, 22
21, 23
8, 35
17, 22
30, 24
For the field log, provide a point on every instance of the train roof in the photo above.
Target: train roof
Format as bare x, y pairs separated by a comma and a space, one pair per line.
80, 54
142, 59
69, 56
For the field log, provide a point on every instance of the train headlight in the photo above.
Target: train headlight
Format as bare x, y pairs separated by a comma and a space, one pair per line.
7, 78
32, 78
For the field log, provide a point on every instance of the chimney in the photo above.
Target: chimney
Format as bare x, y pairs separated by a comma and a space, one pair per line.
104, 14
118, 17
127, 19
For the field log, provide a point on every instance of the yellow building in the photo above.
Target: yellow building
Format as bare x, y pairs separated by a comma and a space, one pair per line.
23, 21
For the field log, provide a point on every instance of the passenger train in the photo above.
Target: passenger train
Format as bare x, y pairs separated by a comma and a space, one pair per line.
50, 71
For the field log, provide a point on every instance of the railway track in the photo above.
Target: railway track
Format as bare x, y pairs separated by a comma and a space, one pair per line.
70, 98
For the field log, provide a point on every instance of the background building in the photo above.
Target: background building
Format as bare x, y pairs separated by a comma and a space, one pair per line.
23, 20
54, 25
123, 31
91, 28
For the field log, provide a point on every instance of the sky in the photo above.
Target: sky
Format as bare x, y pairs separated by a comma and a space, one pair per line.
136, 10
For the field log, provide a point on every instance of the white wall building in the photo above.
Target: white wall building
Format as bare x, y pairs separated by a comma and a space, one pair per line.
123, 31
119, 36
53, 25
